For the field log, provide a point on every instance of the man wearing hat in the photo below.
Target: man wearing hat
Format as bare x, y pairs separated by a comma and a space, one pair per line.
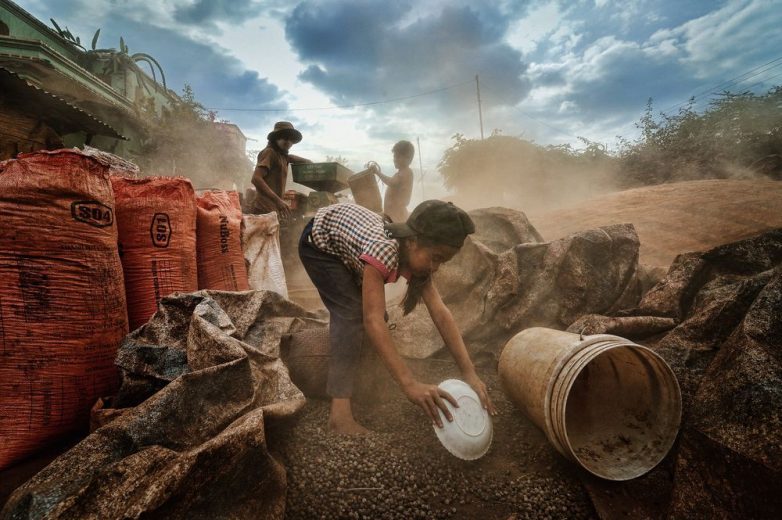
271, 170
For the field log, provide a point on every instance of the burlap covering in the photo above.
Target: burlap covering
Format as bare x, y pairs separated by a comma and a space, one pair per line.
505, 279
205, 376
722, 310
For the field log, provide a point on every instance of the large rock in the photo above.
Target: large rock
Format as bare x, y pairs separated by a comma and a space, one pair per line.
502, 228
495, 295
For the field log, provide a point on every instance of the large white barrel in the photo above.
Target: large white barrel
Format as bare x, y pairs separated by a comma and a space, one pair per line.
610, 405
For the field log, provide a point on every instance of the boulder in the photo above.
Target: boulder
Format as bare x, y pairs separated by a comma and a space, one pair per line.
502, 228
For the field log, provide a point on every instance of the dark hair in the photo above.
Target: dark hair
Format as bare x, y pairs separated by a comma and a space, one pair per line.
405, 148
416, 284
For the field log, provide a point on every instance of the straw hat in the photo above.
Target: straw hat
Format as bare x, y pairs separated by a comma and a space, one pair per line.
284, 129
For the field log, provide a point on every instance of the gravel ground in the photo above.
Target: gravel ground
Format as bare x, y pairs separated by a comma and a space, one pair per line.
402, 471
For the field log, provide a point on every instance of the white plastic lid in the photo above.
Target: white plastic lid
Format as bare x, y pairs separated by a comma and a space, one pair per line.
469, 435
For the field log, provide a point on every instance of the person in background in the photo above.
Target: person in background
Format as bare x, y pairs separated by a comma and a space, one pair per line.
271, 170
350, 253
400, 185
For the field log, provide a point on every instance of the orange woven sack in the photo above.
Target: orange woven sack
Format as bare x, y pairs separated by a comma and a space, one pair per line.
156, 221
219, 242
62, 299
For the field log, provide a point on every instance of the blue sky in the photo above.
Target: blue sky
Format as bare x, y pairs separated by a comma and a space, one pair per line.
549, 71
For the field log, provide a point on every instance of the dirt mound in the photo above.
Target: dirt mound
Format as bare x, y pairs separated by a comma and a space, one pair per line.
675, 218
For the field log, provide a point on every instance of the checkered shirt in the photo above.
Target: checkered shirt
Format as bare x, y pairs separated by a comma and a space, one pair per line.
356, 236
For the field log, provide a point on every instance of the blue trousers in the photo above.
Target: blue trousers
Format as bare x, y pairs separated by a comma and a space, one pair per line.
342, 297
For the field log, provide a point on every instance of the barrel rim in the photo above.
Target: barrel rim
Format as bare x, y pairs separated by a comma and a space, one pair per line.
673, 384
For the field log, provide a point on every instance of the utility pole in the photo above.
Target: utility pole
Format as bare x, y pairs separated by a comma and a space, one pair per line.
480, 112
421, 167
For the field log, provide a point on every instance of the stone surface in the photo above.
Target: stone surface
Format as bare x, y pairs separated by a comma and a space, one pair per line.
502, 228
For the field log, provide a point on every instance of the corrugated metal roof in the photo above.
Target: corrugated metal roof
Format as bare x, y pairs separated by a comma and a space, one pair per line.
53, 107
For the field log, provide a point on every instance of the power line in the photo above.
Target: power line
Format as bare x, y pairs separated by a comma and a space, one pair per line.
356, 105
765, 80
738, 79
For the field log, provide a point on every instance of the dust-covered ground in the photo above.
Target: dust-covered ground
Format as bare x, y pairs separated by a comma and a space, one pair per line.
674, 218
402, 471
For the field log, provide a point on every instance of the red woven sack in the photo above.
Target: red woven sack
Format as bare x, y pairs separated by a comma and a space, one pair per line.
156, 221
219, 241
62, 299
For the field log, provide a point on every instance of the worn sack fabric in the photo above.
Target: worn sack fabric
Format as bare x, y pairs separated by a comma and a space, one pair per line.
156, 223
716, 318
62, 299
195, 448
221, 263
261, 244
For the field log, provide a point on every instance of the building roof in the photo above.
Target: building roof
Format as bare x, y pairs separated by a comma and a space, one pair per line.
60, 114
39, 63
230, 127
37, 25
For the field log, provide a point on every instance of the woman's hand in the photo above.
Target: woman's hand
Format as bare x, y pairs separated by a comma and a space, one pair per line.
430, 398
475, 382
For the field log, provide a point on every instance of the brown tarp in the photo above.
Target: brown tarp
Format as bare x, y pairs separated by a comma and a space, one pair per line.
205, 378
723, 309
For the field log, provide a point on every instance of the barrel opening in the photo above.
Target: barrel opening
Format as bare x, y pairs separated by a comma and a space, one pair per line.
622, 412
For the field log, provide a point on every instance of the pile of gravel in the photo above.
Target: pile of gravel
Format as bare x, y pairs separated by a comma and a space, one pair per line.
402, 471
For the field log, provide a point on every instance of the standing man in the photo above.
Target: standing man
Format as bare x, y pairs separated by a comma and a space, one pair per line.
271, 169
400, 185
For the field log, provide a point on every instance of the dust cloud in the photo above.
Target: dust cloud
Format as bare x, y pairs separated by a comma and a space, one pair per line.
526, 177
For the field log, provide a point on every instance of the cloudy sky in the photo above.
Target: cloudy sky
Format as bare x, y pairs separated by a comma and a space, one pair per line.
549, 71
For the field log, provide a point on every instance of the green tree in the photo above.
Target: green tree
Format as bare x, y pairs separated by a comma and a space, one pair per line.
737, 135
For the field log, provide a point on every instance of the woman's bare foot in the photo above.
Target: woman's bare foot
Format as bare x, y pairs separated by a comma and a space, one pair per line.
341, 419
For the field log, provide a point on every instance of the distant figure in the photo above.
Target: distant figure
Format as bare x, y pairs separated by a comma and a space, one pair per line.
400, 185
271, 170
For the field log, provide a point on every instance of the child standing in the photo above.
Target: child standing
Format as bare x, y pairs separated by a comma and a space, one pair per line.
400, 185
350, 253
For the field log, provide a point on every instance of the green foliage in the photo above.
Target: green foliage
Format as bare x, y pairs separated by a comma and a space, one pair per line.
185, 141
95, 39
66, 34
739, 135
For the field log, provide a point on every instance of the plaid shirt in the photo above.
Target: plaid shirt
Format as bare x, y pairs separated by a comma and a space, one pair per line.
356, 236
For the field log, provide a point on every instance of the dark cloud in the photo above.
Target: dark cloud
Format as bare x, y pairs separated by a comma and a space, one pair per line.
212, 11
363, 52
625, 79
